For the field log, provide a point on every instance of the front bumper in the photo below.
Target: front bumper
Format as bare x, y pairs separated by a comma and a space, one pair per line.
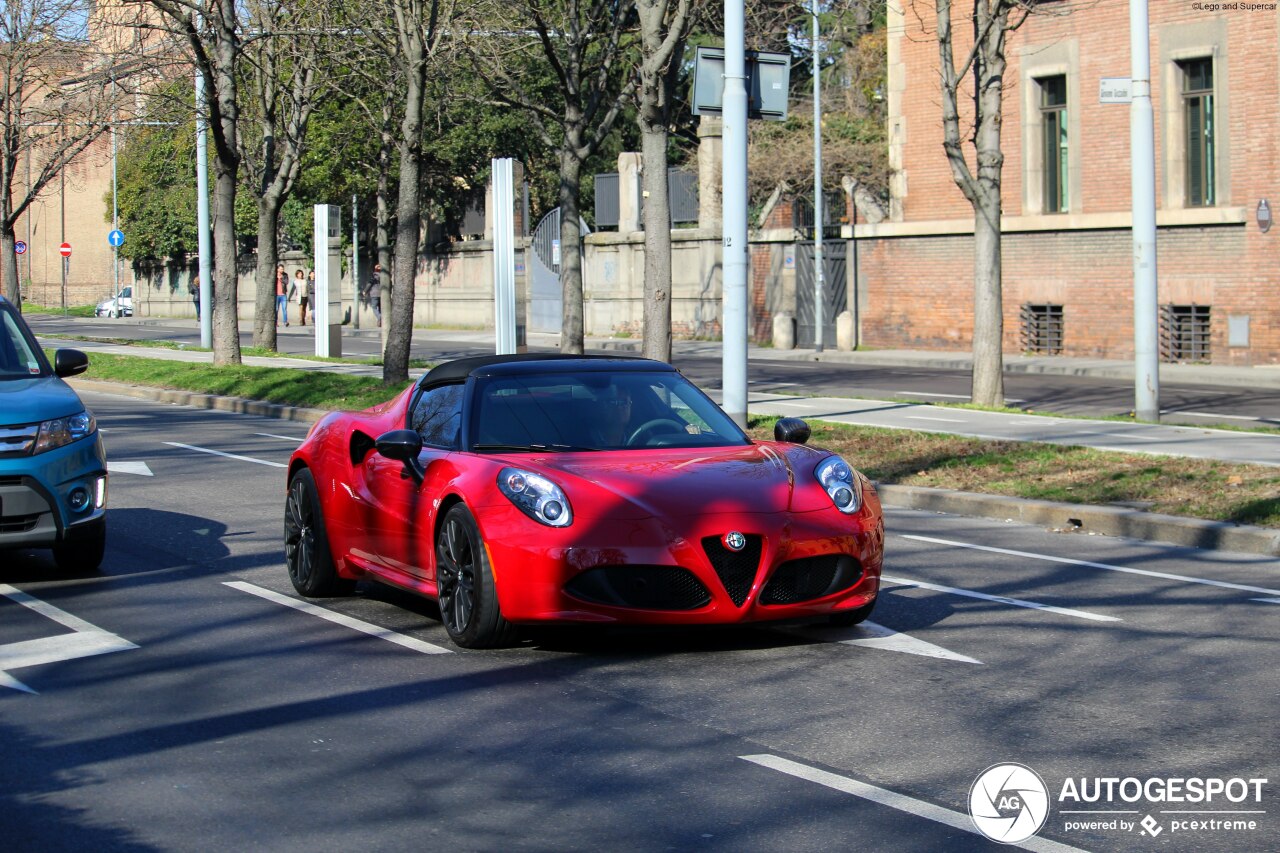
35, 491
796, 565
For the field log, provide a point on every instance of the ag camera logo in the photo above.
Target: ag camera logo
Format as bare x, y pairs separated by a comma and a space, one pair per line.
1009, 803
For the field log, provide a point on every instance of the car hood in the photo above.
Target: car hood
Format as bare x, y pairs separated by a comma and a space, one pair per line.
760, 478
26, 401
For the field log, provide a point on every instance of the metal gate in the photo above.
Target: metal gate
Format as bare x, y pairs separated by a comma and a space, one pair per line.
835, 287
546, 309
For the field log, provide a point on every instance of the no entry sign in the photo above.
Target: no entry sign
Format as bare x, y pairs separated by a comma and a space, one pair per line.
65, 250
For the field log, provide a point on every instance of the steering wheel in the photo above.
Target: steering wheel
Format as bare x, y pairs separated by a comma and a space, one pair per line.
653, 426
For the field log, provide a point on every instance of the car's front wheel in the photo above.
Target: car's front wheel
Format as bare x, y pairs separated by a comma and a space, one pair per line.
464, 580
83, 554
306, 545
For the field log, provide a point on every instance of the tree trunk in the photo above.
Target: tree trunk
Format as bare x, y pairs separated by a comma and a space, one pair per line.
395, 361
12, 291
657, 241
264, 309
226, 322
571, 329
988, 310
382, 226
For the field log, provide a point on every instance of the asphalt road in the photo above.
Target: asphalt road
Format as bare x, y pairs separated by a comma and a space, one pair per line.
1195, 405
218, 715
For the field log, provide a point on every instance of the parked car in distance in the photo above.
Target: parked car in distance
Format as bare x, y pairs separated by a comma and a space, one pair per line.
120, 305
53, 468
519, 489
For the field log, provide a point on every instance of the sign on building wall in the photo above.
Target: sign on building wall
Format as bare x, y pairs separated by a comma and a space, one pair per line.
1114, 90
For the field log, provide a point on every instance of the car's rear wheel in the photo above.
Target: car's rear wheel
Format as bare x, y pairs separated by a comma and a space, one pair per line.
83, 554
849, 618
306, 545
468, 599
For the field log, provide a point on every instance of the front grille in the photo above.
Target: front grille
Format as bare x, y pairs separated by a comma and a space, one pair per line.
810, 578
641, 587
736, 569
18, 523
18, 440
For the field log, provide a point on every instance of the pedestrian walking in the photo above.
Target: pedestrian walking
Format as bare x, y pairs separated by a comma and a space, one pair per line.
373, 293
282, 296
193, 288
299, 289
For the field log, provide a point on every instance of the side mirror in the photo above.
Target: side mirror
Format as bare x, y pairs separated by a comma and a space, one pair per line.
69, 362
793, 430
403, 445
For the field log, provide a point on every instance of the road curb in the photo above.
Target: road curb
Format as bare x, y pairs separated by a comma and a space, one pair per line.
1084, 518
1088, 518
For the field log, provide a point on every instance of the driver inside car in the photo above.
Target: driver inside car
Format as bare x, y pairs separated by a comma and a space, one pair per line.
612, 417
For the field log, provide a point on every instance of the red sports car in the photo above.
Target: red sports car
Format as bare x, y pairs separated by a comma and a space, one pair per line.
544, 488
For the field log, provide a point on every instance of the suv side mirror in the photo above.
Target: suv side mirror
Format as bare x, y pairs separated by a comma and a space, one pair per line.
793, 430
69, 362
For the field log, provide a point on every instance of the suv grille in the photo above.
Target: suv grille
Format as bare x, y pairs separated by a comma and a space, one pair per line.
18, 440
737, 569
810, 578
642, 587
18, 523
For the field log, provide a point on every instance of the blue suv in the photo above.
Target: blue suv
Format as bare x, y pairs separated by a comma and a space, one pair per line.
53, 469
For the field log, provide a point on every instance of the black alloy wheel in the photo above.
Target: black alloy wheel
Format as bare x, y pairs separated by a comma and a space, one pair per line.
83, 555
464, 582
306, 546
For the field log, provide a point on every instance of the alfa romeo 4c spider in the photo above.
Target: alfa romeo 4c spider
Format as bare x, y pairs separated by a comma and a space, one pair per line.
528, 489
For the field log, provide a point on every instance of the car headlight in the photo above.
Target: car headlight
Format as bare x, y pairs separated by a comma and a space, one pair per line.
61, 431
843, 484
536, 496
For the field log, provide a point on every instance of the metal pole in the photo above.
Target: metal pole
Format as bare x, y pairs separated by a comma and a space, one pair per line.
504, 255
734, 192
1143, 180
820, 274
202, 218
115, 217
355, 266
62, 200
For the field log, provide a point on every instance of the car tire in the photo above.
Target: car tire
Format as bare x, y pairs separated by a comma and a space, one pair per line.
82, 555
849, 618
306, 544
464, 581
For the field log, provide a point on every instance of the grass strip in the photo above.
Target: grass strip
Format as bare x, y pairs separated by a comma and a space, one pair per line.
283, 385
1171, 485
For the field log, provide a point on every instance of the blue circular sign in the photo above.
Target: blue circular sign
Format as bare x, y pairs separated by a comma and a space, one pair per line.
20, 247
116, 238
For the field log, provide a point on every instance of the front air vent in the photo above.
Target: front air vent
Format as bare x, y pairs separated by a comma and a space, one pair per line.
736, 569
641, 587
810, 578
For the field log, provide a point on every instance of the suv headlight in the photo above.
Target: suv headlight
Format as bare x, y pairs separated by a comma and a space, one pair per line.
536, 496
62, 431
843, 484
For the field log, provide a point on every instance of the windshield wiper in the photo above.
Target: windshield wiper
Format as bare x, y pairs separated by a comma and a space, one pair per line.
529, 448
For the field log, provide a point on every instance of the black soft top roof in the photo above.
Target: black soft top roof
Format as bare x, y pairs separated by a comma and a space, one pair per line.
500, 365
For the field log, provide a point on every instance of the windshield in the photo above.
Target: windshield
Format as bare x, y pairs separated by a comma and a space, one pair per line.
596, 410
20, 356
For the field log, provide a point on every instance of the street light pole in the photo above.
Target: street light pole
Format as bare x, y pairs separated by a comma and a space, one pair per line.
819, 277
1146, 357
202, 217
733, 322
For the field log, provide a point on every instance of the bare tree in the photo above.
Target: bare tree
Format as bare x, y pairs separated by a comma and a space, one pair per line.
584, 43
664, 30
211, 37
57, 97
984, 66
281, 61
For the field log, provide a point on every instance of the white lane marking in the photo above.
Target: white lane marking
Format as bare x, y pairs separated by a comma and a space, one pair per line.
1016, 602
927, 394
939, 420
1070, 562
128, 467
339, 619
893, 800
85, 640
888, 640
1211, 415
281, 437
1267, 600
226, 455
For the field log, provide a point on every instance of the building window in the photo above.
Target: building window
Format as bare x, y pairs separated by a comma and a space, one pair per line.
1053, 124
1198, 117
1042, 327
1184, 333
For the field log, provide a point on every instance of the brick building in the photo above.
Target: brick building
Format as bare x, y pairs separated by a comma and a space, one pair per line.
1067, 264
